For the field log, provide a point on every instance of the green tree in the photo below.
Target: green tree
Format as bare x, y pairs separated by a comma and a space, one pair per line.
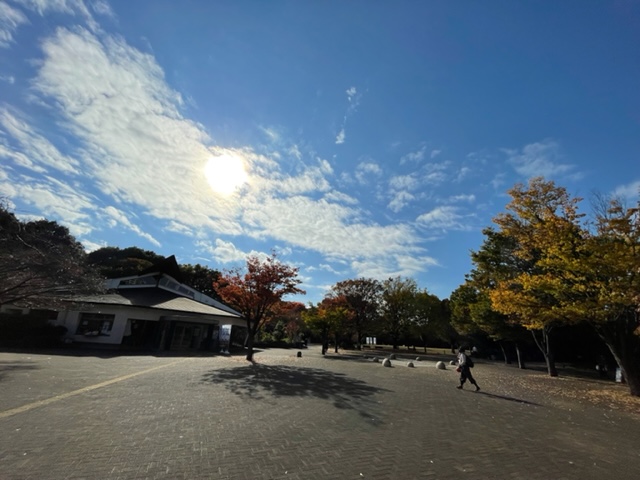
201, 278
115, 262
330, 318
430, 320
398, 307
362, 297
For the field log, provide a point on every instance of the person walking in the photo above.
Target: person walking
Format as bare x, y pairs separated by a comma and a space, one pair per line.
464, 367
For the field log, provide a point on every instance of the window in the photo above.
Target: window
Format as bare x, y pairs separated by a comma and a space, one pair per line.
137, 281
95, 324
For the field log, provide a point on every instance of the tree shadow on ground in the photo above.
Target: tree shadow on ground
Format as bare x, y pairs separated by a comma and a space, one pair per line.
7, 368
510, 399
259, 382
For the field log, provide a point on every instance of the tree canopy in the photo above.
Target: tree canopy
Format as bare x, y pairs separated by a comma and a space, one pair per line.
547, 266
257, 291
41, 263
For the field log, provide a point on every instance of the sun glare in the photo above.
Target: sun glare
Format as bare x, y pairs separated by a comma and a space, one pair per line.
225, 173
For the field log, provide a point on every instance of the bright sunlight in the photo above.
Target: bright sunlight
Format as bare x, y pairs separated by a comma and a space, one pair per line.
225, 173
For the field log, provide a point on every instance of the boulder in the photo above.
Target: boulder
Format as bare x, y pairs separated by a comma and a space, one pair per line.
441, 366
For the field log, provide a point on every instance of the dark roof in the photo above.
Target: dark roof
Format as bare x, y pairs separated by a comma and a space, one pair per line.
155, 298
168, 265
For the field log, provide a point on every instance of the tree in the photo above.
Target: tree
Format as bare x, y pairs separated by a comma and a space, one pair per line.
428, 320
496, 261
543, 223
201, 278
362, 296
471, 312
257, 291
329, 318
115, 262
398, 307
41, 263
605, 279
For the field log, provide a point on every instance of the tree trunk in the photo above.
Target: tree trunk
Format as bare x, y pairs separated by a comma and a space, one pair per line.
504, 354
249, 346
624, 345
520, 359
545, 347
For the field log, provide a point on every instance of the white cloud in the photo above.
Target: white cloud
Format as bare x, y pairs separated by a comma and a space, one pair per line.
392, 266
133, 141
69, 7
118, 217
10, 20
400, 188
366, 169
538, 159
339, 197
435, 153
416, 157
354, 101
90, 246
403, 182
223, 252
35, 151
631, 191
102, 8
324, 267
272, 134
462, 174
444, 218
400, 200
462, 198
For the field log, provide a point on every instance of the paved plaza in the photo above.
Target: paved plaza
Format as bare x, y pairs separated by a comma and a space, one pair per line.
93, 416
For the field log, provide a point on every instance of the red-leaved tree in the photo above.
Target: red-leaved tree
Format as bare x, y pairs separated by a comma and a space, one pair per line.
257, 291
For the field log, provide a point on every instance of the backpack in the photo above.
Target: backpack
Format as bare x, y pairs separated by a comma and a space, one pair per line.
469, 362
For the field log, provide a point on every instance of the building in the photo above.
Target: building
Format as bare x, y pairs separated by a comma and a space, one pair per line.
150, 311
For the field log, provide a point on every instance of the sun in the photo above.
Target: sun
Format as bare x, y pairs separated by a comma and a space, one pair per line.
225, 173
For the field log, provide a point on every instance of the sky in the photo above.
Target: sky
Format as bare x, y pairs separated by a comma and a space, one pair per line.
356, 139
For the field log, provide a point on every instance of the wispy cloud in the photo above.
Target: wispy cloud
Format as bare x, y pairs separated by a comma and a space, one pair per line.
223, 252
400, 191
10, 19
117, 217
444, 218
364, 170
462, 198
136, 151
630, 191
538, 159
35, 152
354, 100
415, 157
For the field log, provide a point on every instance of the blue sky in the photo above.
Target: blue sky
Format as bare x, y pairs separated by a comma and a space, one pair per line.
358, 138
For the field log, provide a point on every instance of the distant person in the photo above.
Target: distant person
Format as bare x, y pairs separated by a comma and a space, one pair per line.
464, 367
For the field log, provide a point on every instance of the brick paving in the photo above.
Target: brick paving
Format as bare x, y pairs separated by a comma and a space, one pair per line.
338, 417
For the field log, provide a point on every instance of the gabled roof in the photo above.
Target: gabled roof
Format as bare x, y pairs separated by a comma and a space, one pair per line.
168, 265
156, 298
